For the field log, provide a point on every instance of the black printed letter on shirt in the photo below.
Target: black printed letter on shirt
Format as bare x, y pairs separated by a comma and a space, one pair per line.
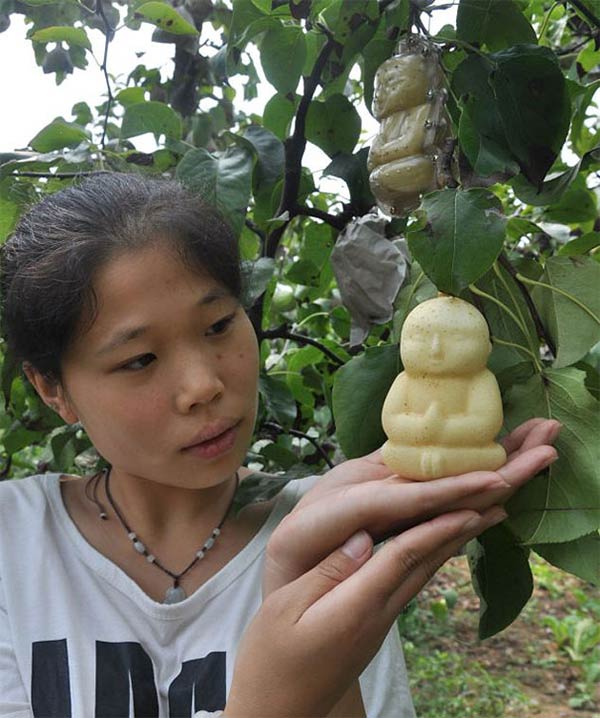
205, 679
50, 688
115, 663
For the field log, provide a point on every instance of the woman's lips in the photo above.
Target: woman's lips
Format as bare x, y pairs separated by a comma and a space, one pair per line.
214, 447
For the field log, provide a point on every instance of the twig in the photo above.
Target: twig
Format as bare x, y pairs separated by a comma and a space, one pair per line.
584, 11
258, 232
295, 146
59, 175
109, 34
283, 333
294, 432
337, 221
539, 325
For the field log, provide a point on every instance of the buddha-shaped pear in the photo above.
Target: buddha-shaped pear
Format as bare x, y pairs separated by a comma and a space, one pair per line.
443, 412
409, 102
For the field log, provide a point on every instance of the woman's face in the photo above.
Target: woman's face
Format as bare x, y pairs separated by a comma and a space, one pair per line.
170, 360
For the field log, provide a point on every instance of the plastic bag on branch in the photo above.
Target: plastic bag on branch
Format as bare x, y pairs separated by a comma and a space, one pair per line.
370, 270
410, 104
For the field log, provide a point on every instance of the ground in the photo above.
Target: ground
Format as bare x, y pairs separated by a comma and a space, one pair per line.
521, 672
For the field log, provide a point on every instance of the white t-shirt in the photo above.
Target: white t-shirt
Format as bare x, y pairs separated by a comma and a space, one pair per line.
79, 638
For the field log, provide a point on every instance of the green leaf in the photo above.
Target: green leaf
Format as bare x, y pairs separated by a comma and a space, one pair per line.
481, 132
57, 135
72, 35
534, 105
570, 309
333, 125
580, 557
463, 237
278, 399
18, 437
166, 18
580, 245
279, 113
256, 276
486, 156
562, 503
131, 96
247, 21
493, 557
82, 113
577, 205
223, 180
282, 55
305, 272
495, 23
317, 244
516, 328
353, 170
259, 487
270, 154
359, 390
517, 102
585, 120
155, 117
9, 214
550, 192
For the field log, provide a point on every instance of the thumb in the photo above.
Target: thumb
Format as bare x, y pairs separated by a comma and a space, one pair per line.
333, 570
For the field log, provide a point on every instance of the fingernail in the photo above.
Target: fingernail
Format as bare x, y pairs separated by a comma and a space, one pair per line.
549, 461
555, 431
490, 518
356, 545
495, 516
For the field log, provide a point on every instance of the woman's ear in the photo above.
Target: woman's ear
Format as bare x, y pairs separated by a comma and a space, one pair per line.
52, 393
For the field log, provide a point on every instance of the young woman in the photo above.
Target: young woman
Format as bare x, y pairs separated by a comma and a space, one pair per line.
138, 591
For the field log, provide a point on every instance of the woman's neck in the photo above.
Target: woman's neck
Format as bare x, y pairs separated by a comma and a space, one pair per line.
163, 514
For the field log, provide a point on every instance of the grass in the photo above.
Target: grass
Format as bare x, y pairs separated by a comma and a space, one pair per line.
546, 665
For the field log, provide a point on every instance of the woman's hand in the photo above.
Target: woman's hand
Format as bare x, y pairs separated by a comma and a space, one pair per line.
329, 601
364, 494
312, 638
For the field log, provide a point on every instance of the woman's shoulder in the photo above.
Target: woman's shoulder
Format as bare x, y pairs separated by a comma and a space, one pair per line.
29, 492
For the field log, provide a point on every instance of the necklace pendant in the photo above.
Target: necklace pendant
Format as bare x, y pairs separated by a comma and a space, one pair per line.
175, 594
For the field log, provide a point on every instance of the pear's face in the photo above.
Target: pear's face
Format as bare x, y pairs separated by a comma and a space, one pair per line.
431, 348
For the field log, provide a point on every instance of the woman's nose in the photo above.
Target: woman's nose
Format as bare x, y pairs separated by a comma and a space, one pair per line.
198, 383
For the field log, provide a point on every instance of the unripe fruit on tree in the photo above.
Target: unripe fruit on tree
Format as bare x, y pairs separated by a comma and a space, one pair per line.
409, 101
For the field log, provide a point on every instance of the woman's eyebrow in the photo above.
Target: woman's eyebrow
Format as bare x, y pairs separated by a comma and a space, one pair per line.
130, 333
121, 337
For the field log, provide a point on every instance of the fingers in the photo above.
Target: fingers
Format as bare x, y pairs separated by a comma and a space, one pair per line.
530, 434
379, 590
526, 464
522, 467
381, 508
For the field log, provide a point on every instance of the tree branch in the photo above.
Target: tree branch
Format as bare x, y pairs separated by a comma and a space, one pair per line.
59, 175
109, 33
540, 328
294, 149
294, 432
283, 333
337, 221
584, 11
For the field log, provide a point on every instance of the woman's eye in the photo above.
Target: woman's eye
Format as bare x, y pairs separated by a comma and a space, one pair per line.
221, 326
139, 363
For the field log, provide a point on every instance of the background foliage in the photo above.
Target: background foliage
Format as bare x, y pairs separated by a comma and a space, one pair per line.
518, 217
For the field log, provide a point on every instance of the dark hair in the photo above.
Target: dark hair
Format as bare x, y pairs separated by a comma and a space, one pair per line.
48, 264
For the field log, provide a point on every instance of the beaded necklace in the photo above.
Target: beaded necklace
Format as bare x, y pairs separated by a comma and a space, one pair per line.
175, 593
